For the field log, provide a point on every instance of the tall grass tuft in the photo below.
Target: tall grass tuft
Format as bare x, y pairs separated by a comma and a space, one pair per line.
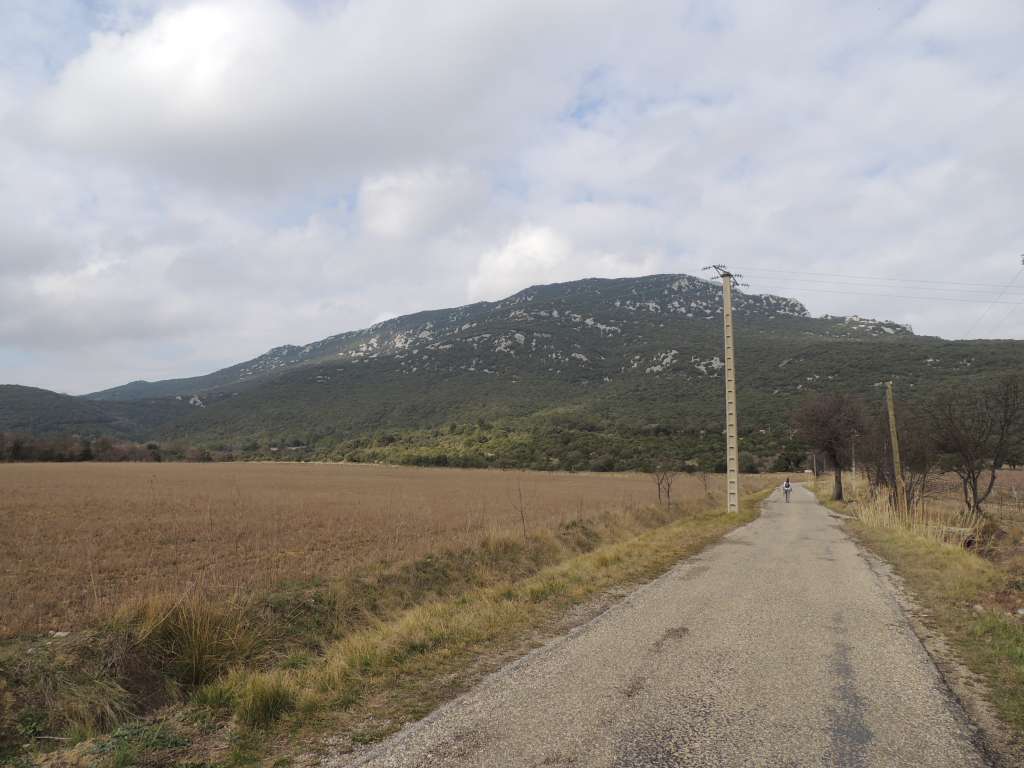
192, 637
939, 520
264, 697
85, 708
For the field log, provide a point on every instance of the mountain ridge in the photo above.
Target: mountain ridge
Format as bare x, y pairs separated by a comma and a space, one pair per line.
605, 373
288, 355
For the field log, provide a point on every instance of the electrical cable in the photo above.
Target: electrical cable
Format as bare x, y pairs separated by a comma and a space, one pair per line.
924, 289
889, 295
985, 291
756, 270
996, 301
1009, 312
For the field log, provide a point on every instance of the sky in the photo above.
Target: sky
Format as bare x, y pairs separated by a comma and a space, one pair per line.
185, 184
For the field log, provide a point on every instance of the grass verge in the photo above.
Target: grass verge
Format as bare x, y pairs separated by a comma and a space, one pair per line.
258, 682
963, 595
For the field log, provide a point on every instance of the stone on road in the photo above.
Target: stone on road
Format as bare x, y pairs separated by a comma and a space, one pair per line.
779, 646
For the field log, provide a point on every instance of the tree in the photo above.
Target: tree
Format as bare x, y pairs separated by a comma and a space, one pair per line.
85, 451
919, 457
978, 429
706, 466
664, 478
790, 458
748, 464
103, 449
1015, 456
828, 423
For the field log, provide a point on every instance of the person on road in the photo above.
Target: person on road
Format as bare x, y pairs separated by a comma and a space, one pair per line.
787, 488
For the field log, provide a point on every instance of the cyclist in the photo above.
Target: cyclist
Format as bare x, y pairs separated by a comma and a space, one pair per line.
787, 488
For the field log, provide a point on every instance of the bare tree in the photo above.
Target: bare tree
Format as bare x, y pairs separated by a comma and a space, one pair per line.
705, 468
919, 456
828, 422
519, 505
977, 429
664, 479
670, 477
1015, 458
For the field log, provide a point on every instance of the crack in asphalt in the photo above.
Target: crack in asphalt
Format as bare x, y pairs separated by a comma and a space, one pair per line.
850, 734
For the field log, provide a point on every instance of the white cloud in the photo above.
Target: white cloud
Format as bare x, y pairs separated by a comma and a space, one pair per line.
535, 255
416, 203
187, 183
247, 91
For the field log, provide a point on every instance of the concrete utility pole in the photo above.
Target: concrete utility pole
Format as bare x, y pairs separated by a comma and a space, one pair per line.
732, 437
894, 439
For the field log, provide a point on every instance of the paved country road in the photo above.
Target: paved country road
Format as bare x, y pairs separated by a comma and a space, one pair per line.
779, 646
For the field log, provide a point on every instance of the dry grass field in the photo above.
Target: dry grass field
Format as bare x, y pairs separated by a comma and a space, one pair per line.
211, 608
77, 541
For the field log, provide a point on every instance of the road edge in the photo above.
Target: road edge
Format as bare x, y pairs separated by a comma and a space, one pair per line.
593, 612
967, 692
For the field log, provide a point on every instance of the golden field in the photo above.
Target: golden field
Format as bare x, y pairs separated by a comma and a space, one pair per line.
79, 540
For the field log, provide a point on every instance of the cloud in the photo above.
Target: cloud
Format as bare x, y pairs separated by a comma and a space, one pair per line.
261, 91
187, 183
416, 203
535, 255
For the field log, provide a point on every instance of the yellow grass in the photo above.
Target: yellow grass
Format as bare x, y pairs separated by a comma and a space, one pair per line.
79, 541
940, 515
940, 519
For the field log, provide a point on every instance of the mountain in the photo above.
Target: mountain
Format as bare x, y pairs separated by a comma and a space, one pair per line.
592, 373
616, 314
41, 412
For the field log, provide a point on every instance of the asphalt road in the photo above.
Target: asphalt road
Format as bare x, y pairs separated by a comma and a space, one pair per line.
779, 646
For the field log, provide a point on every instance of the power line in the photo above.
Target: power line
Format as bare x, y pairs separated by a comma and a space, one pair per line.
985, 292
890, 295
872, 277
1009, 312
983, 314
798, 285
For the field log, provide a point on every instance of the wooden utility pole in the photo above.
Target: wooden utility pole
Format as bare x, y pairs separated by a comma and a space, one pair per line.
894, 439
732, 437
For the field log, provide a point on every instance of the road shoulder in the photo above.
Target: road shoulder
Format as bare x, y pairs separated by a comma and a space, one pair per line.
632, 566
997, 741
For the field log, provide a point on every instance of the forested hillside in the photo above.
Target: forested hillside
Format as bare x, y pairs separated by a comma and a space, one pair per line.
593, 374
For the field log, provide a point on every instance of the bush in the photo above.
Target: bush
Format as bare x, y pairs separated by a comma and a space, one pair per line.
748, 464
